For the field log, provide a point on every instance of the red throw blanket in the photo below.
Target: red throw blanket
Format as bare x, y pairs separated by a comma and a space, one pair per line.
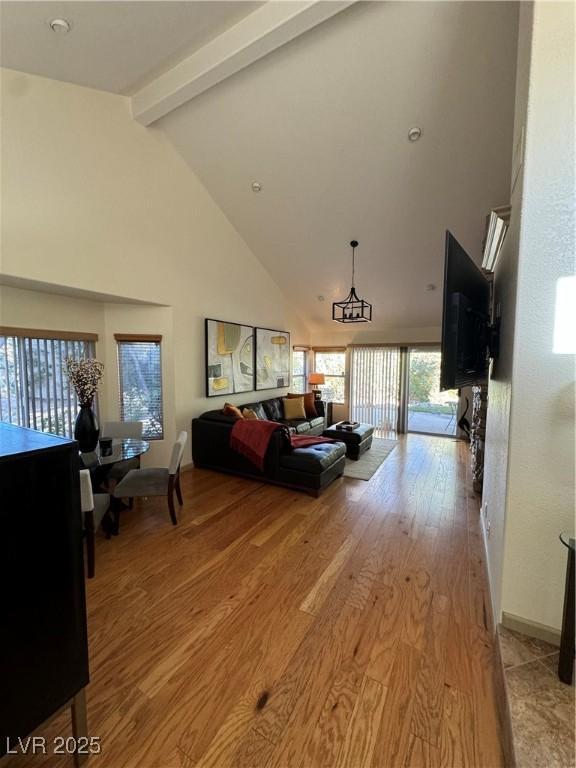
302, 441
251, 438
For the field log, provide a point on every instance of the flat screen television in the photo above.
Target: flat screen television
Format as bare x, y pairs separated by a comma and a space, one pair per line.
466, 326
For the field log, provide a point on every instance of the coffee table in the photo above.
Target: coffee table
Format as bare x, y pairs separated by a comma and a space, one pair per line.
357, 440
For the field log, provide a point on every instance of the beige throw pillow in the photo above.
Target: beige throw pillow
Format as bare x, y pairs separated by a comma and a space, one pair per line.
309, 403
294, 408
249, 414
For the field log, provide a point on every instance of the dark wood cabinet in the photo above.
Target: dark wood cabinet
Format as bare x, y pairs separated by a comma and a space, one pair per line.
43, 640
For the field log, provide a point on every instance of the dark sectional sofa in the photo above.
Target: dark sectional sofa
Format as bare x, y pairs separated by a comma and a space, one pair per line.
309, 469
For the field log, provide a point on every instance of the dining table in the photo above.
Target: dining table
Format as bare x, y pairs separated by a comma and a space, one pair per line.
122, 449
100, 462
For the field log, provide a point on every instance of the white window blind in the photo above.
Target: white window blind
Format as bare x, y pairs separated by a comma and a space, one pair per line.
140, 378
299, 372
34, 389
332, 363
375, 386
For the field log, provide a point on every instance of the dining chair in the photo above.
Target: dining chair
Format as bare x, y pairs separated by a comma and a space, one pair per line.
93, 506
122, 429
154, 481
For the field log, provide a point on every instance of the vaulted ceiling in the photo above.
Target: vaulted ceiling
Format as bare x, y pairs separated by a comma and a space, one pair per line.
114, 46
322, 123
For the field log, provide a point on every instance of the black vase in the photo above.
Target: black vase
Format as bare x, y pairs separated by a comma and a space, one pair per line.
86, 429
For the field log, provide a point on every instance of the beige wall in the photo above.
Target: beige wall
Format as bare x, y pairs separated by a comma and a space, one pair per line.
52, 312
93, 200
531, 410
360, 334
34, 309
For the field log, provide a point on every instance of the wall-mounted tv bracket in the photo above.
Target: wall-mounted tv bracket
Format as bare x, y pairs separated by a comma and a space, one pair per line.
489, 332
493, 339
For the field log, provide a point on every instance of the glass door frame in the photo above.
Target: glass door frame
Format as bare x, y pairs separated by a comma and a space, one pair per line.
403, 415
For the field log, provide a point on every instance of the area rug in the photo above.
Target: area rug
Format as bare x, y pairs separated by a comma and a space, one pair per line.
371, 461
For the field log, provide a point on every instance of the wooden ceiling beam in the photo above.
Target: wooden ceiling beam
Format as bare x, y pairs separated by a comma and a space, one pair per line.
262, 32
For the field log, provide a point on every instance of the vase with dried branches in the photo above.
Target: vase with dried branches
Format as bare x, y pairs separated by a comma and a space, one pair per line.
84, 375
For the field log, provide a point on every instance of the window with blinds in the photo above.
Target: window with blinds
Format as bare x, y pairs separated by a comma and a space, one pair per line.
140, 379
375, 386
34, 389
299, 372
332, 363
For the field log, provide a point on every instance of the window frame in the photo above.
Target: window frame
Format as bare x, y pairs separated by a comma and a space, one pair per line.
140, 338
304, 351
343, 376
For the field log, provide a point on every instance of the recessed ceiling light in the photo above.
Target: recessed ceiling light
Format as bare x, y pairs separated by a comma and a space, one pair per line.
256, 186
321, 298
414, 133
60, 26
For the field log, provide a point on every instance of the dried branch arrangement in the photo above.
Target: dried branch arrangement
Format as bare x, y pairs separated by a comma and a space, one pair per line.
84, 375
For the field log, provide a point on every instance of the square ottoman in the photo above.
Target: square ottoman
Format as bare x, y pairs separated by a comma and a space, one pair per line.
357, 441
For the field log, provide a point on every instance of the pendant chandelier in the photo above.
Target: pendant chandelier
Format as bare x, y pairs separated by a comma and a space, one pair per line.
352, 309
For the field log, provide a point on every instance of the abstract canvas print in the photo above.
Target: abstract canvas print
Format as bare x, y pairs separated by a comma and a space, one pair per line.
229, 358
272, 359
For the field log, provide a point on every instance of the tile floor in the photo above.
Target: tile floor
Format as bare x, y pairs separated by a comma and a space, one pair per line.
541, 706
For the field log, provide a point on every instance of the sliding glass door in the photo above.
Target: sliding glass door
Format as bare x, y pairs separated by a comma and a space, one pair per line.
398, 389
375, 386
429, 410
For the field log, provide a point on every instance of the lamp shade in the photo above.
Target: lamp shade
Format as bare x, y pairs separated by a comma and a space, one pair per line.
316, 378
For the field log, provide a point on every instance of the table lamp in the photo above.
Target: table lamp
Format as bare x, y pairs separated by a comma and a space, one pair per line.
316, 378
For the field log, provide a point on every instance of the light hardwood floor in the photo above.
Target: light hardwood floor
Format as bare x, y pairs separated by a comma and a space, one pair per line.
273, 629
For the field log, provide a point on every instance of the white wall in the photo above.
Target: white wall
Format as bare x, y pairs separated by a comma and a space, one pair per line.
539, 394
541, 470
92, 200
500, 386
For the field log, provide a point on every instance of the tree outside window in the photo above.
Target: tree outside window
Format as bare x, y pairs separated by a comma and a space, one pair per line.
299, 373
140, 377
333, 365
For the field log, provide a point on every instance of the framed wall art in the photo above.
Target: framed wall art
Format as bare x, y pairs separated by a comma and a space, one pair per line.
229, 358
272, 358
